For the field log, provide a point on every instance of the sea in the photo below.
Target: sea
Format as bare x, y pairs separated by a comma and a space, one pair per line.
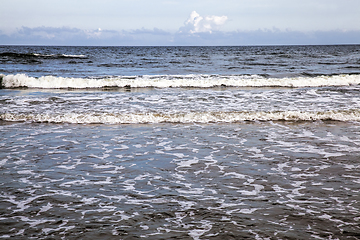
228, 142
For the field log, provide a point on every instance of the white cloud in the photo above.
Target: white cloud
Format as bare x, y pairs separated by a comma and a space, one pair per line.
198, 24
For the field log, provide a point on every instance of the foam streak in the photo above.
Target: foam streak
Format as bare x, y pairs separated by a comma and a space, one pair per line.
193, 117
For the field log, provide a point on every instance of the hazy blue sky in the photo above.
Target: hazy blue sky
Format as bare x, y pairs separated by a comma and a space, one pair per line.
175, 22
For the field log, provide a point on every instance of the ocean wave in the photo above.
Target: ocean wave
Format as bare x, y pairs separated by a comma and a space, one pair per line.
167, 81
191, 117
16, 55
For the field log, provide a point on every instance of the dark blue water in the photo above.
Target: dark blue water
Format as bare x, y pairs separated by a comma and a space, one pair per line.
274, 61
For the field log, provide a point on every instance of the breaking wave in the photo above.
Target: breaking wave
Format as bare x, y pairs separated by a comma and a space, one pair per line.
166, 81
16, 55
191, 117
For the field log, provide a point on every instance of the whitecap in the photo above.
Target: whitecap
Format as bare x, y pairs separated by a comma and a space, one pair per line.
166, 81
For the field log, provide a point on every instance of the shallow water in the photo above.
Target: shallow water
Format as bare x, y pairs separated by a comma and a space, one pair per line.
180, 142
257, 180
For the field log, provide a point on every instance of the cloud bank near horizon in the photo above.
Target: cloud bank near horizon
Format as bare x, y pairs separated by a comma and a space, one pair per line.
197, 30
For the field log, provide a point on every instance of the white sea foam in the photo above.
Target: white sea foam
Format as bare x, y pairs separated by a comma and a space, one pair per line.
2, 162
190, 117
73, 55
205, 227
166, 81
57, 55
44, 208
248, 211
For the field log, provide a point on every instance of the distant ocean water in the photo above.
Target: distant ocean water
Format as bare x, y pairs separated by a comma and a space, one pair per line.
180, 142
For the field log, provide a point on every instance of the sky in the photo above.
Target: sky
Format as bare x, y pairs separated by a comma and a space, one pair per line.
179, 22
